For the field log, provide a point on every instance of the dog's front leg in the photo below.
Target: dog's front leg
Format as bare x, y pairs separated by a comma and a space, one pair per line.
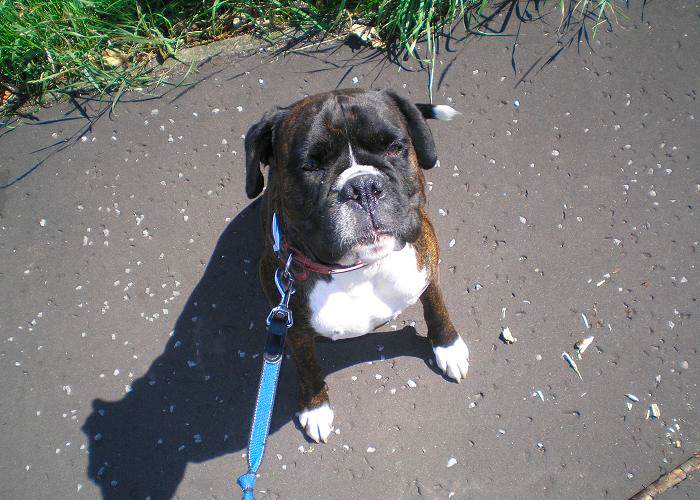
451, 353
315, 414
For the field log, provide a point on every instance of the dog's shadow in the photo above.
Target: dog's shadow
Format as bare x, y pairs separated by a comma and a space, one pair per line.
195, 402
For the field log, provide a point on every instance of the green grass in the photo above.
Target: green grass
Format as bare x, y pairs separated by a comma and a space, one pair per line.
103, 46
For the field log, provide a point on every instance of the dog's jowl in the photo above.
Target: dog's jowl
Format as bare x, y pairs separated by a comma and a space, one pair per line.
345, 180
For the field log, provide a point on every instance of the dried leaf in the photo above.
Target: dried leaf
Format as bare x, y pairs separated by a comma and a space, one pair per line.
113, 57
4, 96
367, 35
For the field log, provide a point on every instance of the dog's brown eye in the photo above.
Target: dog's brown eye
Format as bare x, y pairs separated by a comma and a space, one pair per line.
395, 149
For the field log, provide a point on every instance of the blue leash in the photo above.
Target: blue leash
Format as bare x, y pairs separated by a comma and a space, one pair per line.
278, 322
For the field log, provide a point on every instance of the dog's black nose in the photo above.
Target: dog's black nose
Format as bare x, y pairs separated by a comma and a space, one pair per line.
363, 189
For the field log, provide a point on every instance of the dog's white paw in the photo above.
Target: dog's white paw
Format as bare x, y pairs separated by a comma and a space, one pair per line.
453, 359
317, 422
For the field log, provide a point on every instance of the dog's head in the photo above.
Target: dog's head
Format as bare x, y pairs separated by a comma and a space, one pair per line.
345, 171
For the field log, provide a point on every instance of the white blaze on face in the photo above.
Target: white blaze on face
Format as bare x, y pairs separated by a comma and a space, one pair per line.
345, 222
354, 170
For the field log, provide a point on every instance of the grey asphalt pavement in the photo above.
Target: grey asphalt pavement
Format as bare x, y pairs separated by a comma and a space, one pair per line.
131, 319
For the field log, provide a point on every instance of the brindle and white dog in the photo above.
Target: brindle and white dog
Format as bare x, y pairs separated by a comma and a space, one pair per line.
345, 180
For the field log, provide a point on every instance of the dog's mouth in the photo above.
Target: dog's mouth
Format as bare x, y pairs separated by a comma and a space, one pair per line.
374, 247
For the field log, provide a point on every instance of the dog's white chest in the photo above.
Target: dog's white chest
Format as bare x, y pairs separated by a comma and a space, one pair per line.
354, 303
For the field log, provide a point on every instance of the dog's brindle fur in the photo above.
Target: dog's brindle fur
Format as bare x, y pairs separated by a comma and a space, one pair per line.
313, 391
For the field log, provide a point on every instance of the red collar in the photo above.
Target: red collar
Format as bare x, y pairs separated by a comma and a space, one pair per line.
304, 264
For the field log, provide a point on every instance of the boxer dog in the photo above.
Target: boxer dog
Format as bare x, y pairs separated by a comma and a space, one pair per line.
346, 183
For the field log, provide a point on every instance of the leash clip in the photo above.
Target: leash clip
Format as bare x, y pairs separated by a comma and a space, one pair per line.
284, 279
280, 313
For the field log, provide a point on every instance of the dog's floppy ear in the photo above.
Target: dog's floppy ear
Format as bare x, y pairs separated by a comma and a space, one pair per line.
421, 136
259, 147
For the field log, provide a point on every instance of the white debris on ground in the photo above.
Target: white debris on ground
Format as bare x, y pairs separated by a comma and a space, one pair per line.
586, 323
582, 344
507, 336
569, 360
653, 411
